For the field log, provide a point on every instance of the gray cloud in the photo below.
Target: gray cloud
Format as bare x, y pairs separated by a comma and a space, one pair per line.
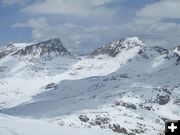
161, 9
82, 8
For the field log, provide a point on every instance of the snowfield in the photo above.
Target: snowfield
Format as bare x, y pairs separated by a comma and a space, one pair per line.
124, 87
17, 126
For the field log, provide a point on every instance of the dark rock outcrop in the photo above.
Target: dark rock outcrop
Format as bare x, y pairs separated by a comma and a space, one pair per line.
163, 99
126, 105
51, 86
117, 128
45, 47
83, 118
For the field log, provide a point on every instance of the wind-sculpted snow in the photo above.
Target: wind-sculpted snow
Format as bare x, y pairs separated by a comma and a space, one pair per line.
133, 92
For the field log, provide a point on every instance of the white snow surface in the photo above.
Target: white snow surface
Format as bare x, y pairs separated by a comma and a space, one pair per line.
22, 45
177, 50
17, 126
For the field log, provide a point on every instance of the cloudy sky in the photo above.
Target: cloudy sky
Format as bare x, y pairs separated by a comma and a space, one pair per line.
83, 25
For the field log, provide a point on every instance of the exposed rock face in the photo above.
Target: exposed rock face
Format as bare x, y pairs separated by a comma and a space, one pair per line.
152, 52
178, 60
163, 99
51, 86
52, 47
115, 48
126, 105
101, 120
148, 52
7, 50
45, 47
117, 128
83, 118
160, 49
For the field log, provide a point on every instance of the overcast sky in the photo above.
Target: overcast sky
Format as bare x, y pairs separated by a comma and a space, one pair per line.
83, 25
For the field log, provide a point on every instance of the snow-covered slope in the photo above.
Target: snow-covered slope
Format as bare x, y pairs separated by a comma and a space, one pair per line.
126, 87
10, 49
17, 126
45, 56
26, 68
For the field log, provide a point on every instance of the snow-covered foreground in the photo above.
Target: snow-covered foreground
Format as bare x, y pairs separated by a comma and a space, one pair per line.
17, 126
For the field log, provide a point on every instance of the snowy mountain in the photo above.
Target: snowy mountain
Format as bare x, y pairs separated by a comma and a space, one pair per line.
177, 49
50, 47
47, 56
124, 87
114, 48
24, 64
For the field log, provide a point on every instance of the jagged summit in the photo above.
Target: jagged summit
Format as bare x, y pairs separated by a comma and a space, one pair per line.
52, 47
46, 47
133, 46
114, 48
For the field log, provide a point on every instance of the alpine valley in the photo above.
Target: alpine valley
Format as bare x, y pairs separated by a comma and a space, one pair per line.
124, 87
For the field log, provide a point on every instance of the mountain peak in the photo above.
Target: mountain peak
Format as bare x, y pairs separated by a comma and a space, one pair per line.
177, 49
49, 47
114, 48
